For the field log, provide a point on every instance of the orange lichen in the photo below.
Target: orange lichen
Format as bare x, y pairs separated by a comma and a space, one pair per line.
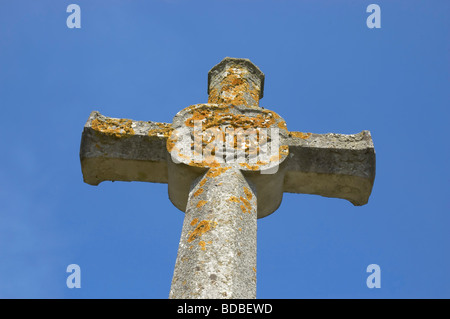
248, 193
300, 135
234, 199
210, 163
247, 206
214, 172
170, 144
250, 167
218, 117
284, 150
199, 114
113, 127
235, 89
202, 227
218, 128
198, 192
202, 244
163, 130
194, 222
282, 125
201, 203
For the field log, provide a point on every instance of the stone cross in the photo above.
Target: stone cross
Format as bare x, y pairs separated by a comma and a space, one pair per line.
221, 193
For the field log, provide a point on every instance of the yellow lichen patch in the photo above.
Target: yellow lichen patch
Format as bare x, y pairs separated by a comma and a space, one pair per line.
221, 117
114, 127
218, 127
247, 205
250, 167
235, 89
254, 269
284, 150
199, 114
300, 135
183, 156
248, 193
261, 163
204, 163
202, 244
210, 159
214, 172
194, 222
201, 203
282, 125
198, 192
234, 199
163, 130
203, 227
170, 144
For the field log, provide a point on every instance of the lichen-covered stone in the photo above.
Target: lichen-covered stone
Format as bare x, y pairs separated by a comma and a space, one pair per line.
235, 82
222, 201
217, 251
123, 150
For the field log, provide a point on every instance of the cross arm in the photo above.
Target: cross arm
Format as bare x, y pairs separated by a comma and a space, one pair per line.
331, 165
123, 150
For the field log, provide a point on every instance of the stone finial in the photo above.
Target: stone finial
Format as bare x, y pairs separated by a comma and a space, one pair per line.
235, 82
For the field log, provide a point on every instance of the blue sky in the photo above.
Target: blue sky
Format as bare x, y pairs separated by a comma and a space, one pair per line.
326, 71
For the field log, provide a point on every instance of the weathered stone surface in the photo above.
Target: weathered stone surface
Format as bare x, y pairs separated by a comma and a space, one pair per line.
331, 165
217, 252
185, 170
235, 82
123, 150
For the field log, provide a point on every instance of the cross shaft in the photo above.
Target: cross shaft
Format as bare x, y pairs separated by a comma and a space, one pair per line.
217, 252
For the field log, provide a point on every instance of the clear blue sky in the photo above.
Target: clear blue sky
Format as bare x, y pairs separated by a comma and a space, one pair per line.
326, 71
